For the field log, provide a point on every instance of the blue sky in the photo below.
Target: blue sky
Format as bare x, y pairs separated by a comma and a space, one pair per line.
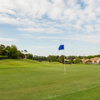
40, 26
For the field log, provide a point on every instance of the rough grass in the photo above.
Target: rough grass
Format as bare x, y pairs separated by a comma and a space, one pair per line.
32, 80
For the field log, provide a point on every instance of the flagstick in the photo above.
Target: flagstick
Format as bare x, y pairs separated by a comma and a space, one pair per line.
61, 47
64, 65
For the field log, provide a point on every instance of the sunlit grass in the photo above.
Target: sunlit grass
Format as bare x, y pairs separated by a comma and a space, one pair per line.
32, 80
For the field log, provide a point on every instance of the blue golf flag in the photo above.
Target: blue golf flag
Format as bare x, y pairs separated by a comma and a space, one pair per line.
61, 47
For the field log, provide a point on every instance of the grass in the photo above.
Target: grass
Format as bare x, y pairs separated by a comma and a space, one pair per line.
32, 80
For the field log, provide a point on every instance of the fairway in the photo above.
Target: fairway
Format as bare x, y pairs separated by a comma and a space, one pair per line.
32, 80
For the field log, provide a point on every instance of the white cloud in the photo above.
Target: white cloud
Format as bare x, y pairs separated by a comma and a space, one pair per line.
7, 40
89, 27
57, 16
42, 30
86, 38
43, 47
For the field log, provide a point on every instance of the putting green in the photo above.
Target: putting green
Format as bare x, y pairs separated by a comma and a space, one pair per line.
32, 80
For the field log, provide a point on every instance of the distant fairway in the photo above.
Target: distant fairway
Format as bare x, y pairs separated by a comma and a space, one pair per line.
32, 80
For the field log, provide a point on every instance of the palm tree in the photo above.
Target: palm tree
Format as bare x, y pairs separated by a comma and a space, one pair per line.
25, 54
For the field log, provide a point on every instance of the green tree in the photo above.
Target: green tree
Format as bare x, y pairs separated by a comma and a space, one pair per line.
7, 50
25, 51
71, 57
61, 58
70, 62
13, 54
20, 54
2, 49
52, 58
29, 56
89, 57
77, 60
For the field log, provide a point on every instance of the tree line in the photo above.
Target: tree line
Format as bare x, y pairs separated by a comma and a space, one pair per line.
11, 52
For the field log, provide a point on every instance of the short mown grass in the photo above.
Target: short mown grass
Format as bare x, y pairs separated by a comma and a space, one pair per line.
32, 80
